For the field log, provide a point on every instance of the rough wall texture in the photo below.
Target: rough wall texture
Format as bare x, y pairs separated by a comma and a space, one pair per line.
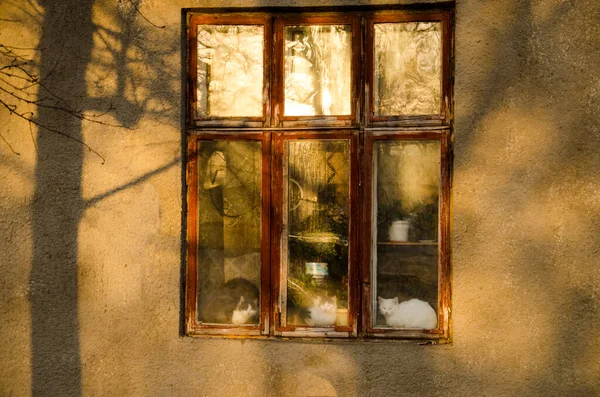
90, 253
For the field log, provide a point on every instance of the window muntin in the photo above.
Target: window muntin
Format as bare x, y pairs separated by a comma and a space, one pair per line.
279, 192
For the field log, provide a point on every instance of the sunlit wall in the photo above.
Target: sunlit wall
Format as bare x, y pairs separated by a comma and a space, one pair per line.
94, 308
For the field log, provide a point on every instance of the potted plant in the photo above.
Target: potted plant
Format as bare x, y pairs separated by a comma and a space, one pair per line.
395, 219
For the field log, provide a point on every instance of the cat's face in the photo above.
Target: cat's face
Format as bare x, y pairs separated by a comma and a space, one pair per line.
387, 306
247, 308
325, 304
250, 311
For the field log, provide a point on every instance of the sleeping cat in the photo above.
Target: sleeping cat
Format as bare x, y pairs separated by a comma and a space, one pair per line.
244, 312
322, 312
413, 313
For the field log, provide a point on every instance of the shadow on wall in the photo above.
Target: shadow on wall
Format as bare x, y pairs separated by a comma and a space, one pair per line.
533, 163
70, 40
58, 205
525, 141
525, 219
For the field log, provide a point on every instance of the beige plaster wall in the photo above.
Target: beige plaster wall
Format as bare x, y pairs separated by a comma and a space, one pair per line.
90, 250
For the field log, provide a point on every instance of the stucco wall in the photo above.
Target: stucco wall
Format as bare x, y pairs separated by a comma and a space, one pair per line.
91, 253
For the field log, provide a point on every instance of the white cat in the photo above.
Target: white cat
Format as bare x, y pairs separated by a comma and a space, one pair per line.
322, 312
413, 313
244, 312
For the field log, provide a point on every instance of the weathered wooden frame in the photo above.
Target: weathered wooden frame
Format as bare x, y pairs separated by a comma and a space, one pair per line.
443, 118
233, 19
193, 327
443, 329
279, 226
361, 127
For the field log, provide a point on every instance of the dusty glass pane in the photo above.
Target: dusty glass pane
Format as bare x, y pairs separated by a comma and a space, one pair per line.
315, 254
230, 70
229, 219
405, 222
408, 68
317, 70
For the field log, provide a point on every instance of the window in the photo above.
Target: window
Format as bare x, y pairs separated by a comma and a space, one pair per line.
318, 173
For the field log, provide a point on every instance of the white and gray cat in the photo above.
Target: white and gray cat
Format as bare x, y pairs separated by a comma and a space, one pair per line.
244, 312
322, 312
235, 302
413, 313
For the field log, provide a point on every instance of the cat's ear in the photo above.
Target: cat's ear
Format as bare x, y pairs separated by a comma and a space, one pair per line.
379, 299
335, 299
395, 300
242, 299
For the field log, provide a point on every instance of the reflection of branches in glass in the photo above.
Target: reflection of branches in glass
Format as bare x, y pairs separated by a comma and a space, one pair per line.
230, 70
332, 58
317, 70
318, 175
232, 178
321, 169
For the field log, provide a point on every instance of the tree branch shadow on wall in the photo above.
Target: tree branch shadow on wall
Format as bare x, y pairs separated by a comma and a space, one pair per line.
58, 207
66, 52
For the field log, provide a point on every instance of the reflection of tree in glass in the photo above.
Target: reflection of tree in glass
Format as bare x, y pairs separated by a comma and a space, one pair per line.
230, 70
232, 168
318, 221
229, 220
317, 70
320, 168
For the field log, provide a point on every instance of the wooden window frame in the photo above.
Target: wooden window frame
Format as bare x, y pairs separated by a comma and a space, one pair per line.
443, 118
232, 19
278, 229
363, 129
443, 329
280, 120
193, 327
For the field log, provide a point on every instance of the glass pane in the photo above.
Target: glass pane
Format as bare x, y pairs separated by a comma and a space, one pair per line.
229, 220
405, 221
317, 70
316, 205
408, 68
230, 70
